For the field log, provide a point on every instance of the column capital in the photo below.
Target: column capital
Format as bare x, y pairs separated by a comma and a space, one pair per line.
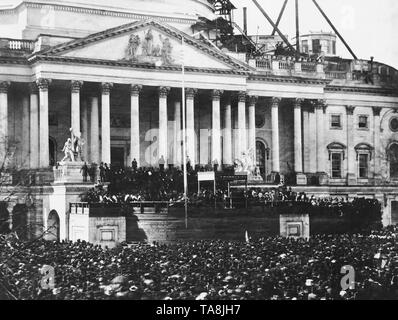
320, 104
376, 111
33, 88
216, 94
106, 87
253, 100
76, 86
43, 84
350, 110
191, 93
135, 89
242, 96
4, 86
164, 92
276, 101
298, 102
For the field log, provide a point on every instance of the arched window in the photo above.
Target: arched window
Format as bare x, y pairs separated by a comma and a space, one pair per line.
393, 159
336, 158
53, 151
53, 226
364, 156
262, 155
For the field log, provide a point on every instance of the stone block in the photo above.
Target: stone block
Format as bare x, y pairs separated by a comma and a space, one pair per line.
301, 179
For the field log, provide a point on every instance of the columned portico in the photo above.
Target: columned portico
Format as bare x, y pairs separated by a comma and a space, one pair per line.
75, 105
242, 134
216, 128
377, 147
227, 147
4, 86
320, 142
94, 130
298, 143
43, 85
84, 122
177, 134
351, 176
191, 141
106, 122
275, 134
135, 147
34, 126
163, 124
252, 126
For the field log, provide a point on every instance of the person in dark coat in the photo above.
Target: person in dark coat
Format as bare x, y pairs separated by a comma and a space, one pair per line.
84, 171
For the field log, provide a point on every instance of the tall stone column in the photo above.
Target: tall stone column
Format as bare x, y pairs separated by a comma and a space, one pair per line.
94, 130
252, 126
216, 128
351, 161
106, 122
75, 106
275, 135
163, 145
177, 134
298, 143
227, 150
135, 145
25, 132
85, 129
320, 142
44, 153
242, 131
4, 86
34, 126
191, 141
377, 145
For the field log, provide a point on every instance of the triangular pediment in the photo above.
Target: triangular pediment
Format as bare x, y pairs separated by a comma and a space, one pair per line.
147, 42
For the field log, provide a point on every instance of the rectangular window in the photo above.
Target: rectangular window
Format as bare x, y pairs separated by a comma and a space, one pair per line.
316, 46
336, 121
363, 166
336, 165
304, 45
363, 122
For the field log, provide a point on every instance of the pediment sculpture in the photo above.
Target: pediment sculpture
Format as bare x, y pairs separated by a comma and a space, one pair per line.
149, 49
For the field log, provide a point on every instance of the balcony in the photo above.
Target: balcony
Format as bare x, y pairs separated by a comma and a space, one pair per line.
338, 71
12, 47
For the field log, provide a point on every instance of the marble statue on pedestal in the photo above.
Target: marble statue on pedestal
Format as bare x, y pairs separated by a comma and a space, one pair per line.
246, 165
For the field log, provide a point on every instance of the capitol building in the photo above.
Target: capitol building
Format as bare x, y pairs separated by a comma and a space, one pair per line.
114, 71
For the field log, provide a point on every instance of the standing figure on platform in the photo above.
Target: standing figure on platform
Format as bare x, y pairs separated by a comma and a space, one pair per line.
84, 171
68, 151
77, 144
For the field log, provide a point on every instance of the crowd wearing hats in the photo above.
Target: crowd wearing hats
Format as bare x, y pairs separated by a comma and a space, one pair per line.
264, 269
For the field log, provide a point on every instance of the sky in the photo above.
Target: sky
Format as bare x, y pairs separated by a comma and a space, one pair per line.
369, 27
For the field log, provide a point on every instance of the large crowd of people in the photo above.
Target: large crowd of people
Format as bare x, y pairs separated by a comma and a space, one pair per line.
263, 269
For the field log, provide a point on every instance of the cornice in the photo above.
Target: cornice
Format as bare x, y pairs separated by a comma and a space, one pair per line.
128, 64
288, 79
93, 11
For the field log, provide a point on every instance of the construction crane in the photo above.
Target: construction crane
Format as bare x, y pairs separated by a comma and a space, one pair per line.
291, 48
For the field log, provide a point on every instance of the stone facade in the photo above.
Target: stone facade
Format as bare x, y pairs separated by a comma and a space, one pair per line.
120, 84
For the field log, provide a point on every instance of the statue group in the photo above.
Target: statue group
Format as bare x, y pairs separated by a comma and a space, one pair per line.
73, 148
247, 164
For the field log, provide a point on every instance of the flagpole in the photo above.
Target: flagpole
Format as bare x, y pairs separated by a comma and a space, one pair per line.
184, 134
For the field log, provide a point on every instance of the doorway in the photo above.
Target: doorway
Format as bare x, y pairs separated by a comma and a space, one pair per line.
394, 212
117, 157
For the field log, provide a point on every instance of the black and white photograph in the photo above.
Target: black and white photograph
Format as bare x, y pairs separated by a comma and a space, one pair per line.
198, 154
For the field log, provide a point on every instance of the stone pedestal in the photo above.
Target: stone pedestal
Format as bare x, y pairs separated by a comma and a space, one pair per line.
301, 179
69, 172
294, 225
351, 179
323, 179
5, 179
